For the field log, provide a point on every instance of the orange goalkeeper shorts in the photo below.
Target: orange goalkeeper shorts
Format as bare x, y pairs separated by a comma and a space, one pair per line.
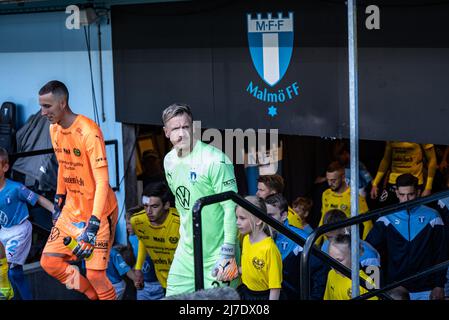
105, 238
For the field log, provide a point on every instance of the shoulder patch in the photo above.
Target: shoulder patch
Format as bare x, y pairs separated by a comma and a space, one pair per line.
384, 220
137, 211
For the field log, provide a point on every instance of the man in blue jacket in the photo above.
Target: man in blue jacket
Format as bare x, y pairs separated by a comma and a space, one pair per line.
277, 208
413, 240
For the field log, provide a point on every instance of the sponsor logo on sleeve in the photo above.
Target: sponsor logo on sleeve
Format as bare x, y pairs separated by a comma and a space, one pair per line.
229, 182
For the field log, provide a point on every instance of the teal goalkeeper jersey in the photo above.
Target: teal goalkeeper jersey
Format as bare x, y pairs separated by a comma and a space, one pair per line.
203, 172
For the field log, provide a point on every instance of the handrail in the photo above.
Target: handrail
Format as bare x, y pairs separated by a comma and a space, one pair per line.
231, 195
17, 155
428, 271
377, 213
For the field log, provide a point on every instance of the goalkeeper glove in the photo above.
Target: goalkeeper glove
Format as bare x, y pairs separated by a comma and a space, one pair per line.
225, 268
58, 204
86, 241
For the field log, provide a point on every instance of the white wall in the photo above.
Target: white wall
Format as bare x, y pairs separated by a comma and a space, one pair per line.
36, 48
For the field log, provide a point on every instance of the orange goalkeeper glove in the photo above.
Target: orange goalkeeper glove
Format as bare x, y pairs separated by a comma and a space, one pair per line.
225, 268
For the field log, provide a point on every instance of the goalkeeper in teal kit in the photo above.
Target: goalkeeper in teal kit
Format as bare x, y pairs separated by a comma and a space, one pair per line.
194, 170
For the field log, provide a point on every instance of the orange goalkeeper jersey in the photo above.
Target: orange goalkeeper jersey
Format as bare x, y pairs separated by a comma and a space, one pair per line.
79, 149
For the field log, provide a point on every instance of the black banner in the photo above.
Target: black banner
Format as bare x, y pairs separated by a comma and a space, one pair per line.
284, 65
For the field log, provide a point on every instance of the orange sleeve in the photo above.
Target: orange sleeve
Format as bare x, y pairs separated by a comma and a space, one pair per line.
60, 184
96, 151
60, 187
101, 177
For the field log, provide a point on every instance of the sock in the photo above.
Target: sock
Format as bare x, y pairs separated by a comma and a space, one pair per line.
104, 288
68, 275
6, 291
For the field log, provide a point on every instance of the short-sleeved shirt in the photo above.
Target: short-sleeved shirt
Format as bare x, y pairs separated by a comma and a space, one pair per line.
407, 157
117, 267
149, 274
13, 203
261, 265
342, 201
160, 241
339, 287
79, 149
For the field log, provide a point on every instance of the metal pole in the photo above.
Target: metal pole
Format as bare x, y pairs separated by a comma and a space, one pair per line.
354, 139
103, 114
197, 246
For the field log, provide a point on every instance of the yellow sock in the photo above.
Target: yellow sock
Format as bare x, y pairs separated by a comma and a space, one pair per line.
6, 291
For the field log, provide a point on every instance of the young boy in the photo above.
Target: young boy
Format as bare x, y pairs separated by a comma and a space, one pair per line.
152, 289
15, 231
157, 228
303, 206
368, 254
338, 286
117, 269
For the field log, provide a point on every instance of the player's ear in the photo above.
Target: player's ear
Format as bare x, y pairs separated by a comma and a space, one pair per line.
167, 135
284, 216
5, 167
167, 205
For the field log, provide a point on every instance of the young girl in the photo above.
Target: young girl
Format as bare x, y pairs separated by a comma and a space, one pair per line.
261, 261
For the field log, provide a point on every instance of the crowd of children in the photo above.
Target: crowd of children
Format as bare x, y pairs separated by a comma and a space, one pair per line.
399, 244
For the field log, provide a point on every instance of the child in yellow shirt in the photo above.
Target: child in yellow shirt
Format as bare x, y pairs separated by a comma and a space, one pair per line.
261, 261
338, 286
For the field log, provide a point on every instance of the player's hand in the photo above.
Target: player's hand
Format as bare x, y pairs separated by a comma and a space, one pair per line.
443, 165
426, 193
374, 192
437, 293
138, 282
58, 204
225, 268
86, 241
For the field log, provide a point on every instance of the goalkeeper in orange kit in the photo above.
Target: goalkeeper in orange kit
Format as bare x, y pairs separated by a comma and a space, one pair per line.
86, 207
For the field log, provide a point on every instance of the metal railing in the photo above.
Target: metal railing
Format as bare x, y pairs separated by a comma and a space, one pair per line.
239, 200
375, 214
114, 142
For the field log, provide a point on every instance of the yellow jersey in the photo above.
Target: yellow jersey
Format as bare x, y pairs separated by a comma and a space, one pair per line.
342, 201
79, 149
294, 219
159, 242
261, 265
339, 287
407, 157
